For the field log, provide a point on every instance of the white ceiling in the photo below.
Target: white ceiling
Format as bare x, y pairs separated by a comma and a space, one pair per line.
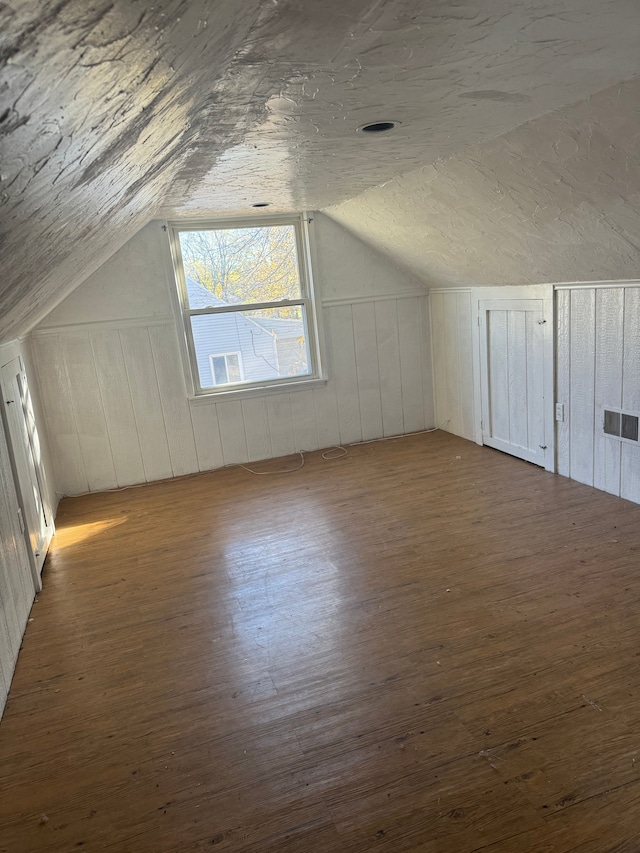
115, 111
556, 199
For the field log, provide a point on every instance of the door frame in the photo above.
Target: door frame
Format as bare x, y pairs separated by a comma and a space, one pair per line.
509, 294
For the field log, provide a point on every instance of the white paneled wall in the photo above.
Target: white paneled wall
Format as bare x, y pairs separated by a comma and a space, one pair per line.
16, 583
117, 411
112, 381
453, 376
598, 367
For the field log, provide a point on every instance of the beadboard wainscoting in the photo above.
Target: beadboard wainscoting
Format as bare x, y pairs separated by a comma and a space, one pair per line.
117, 411
453, 369
598, 367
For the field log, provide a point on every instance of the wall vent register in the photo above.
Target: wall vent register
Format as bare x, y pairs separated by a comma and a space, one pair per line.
620, 425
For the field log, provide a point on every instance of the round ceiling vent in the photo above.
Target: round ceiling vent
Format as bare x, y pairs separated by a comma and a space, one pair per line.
378, 126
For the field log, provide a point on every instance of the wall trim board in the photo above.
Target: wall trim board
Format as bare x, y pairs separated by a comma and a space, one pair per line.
262, 391
168, 319
378, 297
557, 285
597, 285
100, 325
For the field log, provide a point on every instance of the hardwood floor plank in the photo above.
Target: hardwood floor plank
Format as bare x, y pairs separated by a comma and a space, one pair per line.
423, 647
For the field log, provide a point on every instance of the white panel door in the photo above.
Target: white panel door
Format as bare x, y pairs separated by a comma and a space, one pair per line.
25, 448
512, 362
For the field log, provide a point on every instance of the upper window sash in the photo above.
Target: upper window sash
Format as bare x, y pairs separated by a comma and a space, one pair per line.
298, 223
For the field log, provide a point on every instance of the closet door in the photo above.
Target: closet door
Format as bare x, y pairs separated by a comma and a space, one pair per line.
17, 588
514, 378
512, 353
25, 446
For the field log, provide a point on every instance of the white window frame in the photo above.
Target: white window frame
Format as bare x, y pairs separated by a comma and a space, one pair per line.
225, 355
307, 299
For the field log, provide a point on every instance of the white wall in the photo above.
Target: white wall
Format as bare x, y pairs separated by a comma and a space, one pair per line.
113, 389
598, 366
453, 375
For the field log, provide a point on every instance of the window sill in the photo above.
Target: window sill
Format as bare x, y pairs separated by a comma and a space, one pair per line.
256, 391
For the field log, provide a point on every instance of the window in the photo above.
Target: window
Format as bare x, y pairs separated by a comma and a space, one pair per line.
246, 302
226, 368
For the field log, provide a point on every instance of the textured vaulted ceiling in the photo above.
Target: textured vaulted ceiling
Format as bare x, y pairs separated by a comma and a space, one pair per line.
556, 199
115, 111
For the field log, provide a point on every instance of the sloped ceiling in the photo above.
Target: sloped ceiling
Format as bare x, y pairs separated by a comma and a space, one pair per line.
116, 111
557, 199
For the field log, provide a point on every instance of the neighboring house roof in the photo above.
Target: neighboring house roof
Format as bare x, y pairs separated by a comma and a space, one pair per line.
282, 328
200, 297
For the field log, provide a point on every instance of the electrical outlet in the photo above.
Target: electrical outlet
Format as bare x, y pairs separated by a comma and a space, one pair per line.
560, 412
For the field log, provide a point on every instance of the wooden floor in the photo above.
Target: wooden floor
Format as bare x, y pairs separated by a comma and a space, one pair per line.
424, 646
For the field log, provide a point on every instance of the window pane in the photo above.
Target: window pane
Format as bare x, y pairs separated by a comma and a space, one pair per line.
230, 266
259, 345
611, 422
629, 427
233, 368
219, 370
